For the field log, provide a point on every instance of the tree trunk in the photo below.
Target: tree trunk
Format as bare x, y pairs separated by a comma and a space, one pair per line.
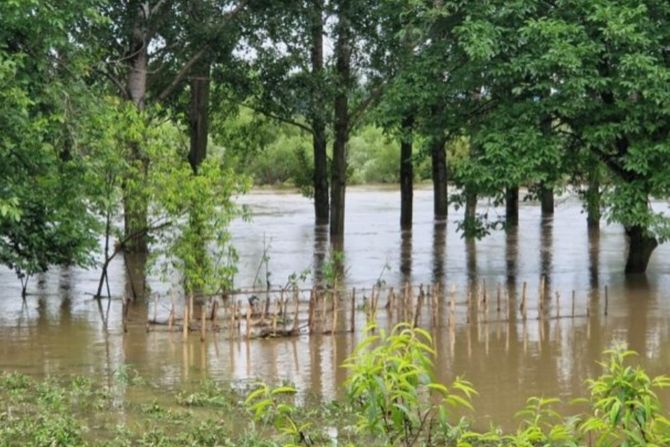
512, 206
134, 203
439, 162
406, 174
339, 168
546, 200
199, 115
319, 142
593, 199
470, 219
640, 247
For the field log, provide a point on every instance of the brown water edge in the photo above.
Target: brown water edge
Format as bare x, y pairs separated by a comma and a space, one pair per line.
59, 331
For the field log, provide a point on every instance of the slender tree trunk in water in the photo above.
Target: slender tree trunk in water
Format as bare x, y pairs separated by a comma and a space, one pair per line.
470, 211
512, 206
339, 168
640, 247
406, 174
134, 202
593, 199
439, 162
199, 115
318, 123
546, 200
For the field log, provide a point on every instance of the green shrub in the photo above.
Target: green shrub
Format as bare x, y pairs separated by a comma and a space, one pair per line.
391, 383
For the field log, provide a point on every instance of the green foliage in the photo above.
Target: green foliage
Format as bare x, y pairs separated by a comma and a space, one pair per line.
626, 409
333, 269
373, 157
390, 386
273, 405
209, 394
45, 215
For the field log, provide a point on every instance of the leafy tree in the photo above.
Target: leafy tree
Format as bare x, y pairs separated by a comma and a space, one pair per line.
45, 209
569, 76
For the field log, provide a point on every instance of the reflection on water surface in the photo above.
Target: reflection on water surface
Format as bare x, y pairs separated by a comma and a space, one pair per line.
60, 329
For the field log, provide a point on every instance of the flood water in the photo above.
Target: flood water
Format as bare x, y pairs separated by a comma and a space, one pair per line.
60, 329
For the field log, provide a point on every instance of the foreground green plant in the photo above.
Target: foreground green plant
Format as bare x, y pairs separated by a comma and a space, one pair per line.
272, 405
626, 410
391, 387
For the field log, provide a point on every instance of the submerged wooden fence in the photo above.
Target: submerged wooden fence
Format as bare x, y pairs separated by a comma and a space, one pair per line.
293, 311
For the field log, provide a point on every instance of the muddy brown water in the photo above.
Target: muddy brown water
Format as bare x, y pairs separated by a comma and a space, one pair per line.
60, 329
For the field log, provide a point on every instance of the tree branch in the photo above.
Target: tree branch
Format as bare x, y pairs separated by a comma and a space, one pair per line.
359, 111
181, 74
271, 115
186, 68
156, 7
114, 80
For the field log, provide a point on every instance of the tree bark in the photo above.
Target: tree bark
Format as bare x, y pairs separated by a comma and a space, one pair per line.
439, 163
640, 247
512, 206
319, 141
342, 118
546, 200
199, 115
406, 174
470, 218
593, 199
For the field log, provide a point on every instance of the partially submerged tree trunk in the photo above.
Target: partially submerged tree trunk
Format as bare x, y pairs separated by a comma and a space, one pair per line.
512, 206
342, 119
470, 219
546, 200
640, 247
318, 123
321, 201
593, 199
406, 174
199, 115
439, 162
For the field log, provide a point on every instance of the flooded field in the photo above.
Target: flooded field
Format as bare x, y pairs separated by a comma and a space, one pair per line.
61, 329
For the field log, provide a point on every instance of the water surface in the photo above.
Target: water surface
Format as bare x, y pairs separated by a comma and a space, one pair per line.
60, 329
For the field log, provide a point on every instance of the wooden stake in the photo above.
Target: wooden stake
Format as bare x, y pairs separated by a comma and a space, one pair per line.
607, 299
171, 318
498, 299
310, 311
419, 303
523, 300
185, 325
190, 308
215, 313
334, 324
248, 322
203, 323
573, 304
295, 314
353, 310
558, 306
124, 311
231, 307
155, 308
322, 314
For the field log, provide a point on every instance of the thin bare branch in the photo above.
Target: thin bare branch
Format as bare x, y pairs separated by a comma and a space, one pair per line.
271, 115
